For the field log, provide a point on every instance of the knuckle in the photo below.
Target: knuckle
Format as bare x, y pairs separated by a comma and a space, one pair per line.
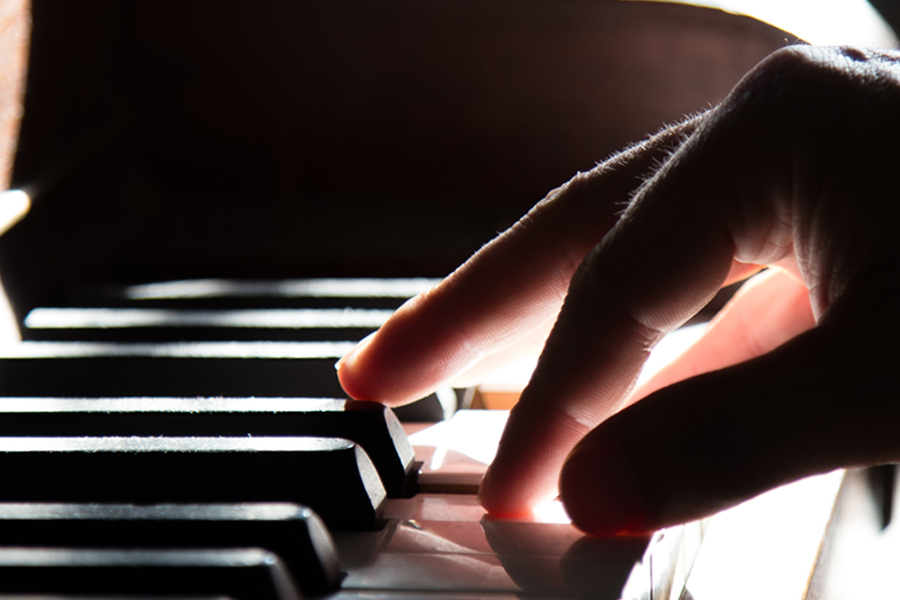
799, 77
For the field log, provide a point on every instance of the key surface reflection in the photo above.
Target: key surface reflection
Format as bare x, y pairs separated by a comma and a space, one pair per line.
499, 556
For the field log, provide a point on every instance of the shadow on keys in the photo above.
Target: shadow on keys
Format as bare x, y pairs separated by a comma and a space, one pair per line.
442, 540
551, 558
440, 547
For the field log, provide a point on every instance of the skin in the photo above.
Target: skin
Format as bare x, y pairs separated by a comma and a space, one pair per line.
796, 170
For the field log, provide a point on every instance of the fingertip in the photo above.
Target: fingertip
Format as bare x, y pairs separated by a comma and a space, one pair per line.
349, 373
509, 491
501, 512
501, 509
599, 492
375, 370
494, 500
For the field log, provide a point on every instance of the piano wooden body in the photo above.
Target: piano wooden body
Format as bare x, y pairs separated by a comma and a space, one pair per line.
285, 141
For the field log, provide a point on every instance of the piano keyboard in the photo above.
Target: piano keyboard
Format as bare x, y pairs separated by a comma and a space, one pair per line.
189, 439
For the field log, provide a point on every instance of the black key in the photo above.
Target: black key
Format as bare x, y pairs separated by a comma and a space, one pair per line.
250, 574
267, 369
294, 533
260, 369
332, 476
287, 293
369, 424
165, 324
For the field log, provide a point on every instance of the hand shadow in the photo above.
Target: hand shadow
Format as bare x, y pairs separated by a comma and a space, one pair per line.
550, 558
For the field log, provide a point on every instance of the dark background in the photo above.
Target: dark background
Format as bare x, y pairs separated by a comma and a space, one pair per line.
177, 139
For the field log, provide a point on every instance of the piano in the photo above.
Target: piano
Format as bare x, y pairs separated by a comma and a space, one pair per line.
227, 195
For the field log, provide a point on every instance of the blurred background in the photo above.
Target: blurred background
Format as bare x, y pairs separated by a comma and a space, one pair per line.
170, 139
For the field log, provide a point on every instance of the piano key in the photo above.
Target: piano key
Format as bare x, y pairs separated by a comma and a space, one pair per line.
287, 293
332, 476
455, 453
242, 574
202, 369
165, 324
346, 287
371, 425
268, 369
294, 533
445, 544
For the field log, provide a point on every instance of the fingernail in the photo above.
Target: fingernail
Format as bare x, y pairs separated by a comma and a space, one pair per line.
599, 492
352, 355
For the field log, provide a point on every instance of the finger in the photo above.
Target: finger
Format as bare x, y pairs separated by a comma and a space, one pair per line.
767, 311
824, 400
729, 193
509, 288
533, 341
529, 346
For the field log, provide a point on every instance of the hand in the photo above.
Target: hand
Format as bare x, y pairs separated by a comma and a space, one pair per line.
796, 170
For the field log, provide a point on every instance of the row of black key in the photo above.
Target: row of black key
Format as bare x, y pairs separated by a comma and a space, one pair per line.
81, 549
156, 475
370, 425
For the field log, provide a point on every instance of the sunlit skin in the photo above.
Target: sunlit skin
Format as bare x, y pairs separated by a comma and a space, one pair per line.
795, 170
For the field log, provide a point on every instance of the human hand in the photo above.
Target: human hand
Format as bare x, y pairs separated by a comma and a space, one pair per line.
797, 376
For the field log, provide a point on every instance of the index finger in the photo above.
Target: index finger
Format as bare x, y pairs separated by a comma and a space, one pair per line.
511, 287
